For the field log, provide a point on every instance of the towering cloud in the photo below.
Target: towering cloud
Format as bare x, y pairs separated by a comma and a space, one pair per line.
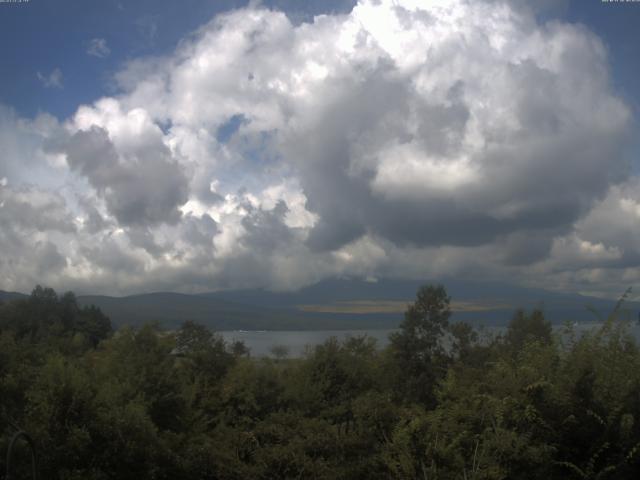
407, 138
135, 173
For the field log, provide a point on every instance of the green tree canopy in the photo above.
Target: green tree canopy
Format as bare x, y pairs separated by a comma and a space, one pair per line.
418, 348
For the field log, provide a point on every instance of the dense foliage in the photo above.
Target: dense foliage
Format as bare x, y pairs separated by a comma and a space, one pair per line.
441, 402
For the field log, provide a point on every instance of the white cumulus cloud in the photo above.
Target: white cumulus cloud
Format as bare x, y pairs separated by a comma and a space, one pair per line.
403, 138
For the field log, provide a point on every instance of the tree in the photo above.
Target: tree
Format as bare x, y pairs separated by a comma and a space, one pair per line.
464, 339
417, 348
206, 351
280, 352
94, 324
45, 317
525, 328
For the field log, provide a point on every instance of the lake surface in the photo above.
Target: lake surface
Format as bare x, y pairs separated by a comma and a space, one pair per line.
261, 342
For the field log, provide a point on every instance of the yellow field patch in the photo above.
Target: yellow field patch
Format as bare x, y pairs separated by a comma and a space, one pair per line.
394, 306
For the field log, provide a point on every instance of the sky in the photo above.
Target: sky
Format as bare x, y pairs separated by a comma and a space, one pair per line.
203, 145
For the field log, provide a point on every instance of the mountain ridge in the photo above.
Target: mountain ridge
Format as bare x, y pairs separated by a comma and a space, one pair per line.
338, 304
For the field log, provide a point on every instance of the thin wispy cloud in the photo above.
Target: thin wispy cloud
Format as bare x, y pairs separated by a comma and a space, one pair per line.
51, 80
98, 48
147, 26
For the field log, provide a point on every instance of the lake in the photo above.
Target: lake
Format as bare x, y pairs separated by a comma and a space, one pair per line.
260, 342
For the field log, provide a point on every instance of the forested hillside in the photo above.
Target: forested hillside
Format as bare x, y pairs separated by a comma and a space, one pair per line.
439, 403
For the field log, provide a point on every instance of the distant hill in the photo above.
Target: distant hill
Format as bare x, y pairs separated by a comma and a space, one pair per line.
487, 303
340, 304
171, 309
8, 296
